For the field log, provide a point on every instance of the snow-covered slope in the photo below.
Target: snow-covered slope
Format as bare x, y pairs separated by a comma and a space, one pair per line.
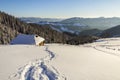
96, 61
27, 63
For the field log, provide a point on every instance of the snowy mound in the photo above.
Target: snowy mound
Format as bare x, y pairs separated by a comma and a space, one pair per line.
27, 39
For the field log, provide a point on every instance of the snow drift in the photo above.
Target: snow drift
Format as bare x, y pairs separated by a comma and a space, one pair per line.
27, 39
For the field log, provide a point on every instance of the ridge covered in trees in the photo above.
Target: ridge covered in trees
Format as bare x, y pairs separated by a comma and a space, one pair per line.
10, 27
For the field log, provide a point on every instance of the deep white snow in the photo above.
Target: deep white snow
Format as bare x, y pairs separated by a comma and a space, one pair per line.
27, 39
96, 61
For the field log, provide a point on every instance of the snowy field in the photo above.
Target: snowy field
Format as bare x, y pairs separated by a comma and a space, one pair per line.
96, 61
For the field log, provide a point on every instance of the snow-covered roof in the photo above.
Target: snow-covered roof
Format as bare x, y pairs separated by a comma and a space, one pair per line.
27, 39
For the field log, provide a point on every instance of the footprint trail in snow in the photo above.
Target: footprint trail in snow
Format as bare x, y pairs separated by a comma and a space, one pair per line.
39, 70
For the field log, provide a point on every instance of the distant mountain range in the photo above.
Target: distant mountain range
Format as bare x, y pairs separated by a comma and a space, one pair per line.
37, 20
10, 27
57, 24
76, 24
68, 31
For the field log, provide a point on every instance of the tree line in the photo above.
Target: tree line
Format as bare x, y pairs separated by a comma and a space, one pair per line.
11, 26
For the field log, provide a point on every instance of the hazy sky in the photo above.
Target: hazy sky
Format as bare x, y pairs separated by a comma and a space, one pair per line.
61, 8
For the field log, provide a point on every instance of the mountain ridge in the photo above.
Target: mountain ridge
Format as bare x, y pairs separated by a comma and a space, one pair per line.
78, 24
11, 26
111, 32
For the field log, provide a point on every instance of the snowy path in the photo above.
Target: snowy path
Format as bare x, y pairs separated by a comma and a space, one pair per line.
108, 51
40, 69
108, 48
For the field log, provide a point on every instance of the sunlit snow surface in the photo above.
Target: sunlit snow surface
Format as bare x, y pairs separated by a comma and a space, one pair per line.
96, 61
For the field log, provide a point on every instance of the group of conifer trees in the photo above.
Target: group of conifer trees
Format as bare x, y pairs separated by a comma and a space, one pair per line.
10, 27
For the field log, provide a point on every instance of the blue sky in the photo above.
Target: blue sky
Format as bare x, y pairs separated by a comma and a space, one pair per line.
61, 8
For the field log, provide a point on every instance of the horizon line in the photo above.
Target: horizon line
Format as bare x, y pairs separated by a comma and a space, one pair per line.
66, 17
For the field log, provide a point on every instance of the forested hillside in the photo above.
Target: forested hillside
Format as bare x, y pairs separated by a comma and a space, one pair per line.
111, 32
10, 27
